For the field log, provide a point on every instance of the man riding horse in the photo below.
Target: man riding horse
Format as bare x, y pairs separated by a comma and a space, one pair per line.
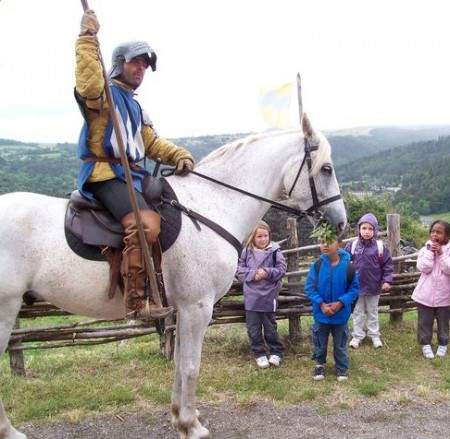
101, 175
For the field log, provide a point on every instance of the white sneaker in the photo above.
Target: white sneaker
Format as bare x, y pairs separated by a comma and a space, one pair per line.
427, 352
354, 343
262, 362
275, 360
441, 351
377, 343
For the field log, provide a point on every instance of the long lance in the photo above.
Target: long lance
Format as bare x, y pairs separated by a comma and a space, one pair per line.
300, 99
148, 260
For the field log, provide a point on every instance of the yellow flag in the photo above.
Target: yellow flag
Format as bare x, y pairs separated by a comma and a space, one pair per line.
275, 104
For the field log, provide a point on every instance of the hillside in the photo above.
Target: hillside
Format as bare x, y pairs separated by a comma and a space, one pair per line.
421, 164
420, 169
351, 145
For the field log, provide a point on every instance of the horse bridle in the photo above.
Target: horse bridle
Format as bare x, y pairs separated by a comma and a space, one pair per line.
313, 211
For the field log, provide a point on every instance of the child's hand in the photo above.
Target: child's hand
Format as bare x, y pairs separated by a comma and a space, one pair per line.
260, 274
436, 248
336, 306
326, 309
386, 287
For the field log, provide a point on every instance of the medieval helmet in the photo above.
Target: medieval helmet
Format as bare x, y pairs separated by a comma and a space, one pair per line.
128, 51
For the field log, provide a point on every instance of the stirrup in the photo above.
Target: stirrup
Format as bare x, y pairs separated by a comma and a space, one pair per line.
143, 311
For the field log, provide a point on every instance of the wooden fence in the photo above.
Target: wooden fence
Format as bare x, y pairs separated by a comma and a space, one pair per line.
293, 304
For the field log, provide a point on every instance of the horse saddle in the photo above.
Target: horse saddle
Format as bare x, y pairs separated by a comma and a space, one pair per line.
90, 227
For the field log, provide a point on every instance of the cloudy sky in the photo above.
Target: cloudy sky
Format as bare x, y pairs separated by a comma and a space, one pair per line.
362, 62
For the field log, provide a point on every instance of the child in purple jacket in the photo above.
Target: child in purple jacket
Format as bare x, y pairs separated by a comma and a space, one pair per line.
374, 269
261, 267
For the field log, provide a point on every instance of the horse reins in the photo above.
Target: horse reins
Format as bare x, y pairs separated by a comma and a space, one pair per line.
311, 211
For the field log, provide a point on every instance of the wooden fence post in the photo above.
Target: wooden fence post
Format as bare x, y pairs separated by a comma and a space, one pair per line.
393, 236
295, 328
167, 340
16, 361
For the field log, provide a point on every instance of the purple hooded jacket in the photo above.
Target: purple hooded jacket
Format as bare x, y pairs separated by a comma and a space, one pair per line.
262, 295
371, 273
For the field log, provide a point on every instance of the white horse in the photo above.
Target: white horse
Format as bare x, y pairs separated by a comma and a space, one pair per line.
198, 268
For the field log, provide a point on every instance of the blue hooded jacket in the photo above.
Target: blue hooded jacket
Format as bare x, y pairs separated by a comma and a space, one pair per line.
331, 286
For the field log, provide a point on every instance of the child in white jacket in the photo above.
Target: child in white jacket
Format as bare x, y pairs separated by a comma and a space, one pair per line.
432, 292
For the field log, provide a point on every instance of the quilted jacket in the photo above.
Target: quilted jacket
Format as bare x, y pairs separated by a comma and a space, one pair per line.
89, 89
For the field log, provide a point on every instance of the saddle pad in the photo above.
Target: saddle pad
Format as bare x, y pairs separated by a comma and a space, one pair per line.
170, 218
170, 229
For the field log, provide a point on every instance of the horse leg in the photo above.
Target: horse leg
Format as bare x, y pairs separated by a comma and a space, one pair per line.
176, 391
8, 313
192, 323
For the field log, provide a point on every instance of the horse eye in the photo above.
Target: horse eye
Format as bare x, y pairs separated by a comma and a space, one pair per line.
327, 169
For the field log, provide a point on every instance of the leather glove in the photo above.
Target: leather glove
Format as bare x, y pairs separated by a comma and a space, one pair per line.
89, 23
183, 165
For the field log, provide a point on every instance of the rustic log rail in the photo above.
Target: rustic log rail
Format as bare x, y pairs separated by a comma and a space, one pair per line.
293, 304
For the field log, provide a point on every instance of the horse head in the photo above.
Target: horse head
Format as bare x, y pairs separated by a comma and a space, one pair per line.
321, 199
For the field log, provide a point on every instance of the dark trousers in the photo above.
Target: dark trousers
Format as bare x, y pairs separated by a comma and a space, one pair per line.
113, 194
425, 321
320, 335
256, 322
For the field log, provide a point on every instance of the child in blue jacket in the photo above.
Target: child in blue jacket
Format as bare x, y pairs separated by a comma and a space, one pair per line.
332, 296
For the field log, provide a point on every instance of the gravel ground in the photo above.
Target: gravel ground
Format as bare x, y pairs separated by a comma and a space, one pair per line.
416, 420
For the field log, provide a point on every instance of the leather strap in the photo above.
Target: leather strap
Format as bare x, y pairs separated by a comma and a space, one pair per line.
207, 222
112, 160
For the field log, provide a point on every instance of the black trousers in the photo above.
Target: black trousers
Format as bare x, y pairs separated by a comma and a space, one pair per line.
113, 194
256, 322
425, 321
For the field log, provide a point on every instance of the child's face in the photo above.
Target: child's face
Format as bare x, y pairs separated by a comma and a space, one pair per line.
261, 239
437, 234
366, 231
330, 250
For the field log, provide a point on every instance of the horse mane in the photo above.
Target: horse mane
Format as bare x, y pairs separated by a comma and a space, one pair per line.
230, 148
323, 153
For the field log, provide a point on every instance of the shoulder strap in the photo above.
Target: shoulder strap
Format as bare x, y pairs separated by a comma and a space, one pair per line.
317, 266
380, 247
274, 257
350, 272
353, 248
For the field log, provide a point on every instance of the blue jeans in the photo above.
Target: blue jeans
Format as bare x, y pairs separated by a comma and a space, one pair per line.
256, 322
339, 333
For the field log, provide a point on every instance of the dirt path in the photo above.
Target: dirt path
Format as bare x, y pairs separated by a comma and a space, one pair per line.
418, 420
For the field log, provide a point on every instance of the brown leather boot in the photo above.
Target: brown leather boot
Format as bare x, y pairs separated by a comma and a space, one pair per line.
138, 305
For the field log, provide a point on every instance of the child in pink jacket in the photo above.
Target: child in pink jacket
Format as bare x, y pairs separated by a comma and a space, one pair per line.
432, 292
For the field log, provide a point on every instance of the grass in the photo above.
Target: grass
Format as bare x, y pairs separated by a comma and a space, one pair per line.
75, 383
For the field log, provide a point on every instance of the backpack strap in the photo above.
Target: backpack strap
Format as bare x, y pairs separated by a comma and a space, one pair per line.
350, 272
274, 257
353, 247
380, 247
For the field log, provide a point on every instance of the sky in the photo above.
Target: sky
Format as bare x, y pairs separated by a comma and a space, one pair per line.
362, 63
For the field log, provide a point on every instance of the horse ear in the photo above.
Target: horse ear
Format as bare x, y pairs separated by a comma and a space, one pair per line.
306, 126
